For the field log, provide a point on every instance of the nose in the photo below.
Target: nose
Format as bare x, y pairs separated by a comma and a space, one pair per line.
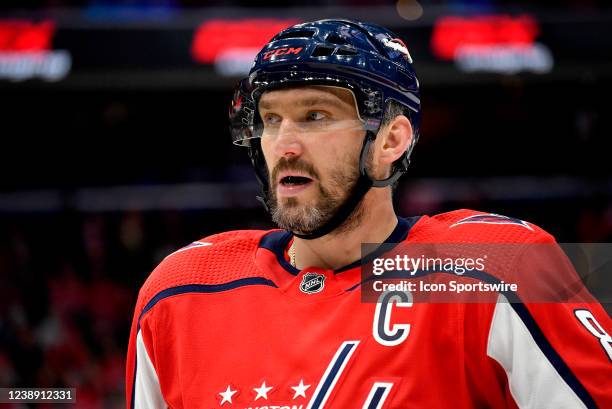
288, 141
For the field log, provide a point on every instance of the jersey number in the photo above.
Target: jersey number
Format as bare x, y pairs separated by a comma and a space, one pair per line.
587, 319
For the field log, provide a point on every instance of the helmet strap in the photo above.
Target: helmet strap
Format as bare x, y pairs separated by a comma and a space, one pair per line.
261, 172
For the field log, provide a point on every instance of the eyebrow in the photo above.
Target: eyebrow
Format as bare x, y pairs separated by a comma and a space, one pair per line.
308, 102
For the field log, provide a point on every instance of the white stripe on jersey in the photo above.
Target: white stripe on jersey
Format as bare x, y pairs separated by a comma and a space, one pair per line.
147, 392
194, 245
534, 382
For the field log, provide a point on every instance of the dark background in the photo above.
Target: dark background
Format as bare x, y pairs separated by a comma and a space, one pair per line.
128, 158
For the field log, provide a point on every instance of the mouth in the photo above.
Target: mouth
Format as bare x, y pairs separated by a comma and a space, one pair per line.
292, 184
294, 180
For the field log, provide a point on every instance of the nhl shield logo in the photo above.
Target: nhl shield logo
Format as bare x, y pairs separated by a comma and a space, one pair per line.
312, 283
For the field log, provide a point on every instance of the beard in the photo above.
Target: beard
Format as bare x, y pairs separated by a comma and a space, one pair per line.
304, 218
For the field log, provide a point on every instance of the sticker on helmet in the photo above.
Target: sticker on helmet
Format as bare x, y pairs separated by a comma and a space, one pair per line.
398, 45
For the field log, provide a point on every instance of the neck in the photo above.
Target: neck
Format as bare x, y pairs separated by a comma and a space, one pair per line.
336, 250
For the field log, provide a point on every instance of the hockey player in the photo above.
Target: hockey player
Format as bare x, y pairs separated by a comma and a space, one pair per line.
277, 319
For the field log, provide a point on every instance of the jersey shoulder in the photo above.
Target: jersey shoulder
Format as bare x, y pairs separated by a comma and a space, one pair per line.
512, 249
473, 226
214, 260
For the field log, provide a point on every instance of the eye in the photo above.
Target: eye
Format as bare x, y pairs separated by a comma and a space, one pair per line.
271, 119
316, 116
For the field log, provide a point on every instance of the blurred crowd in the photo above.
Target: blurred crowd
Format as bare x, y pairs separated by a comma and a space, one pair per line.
68, 285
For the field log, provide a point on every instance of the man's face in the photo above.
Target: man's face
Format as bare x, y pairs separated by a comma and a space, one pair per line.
311, 140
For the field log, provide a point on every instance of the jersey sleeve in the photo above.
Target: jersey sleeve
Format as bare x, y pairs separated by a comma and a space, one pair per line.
142, 382
552, 339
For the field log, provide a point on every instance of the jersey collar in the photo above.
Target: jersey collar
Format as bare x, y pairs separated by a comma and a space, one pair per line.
277, 241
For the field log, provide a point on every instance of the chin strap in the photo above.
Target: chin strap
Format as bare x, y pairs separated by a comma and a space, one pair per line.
363, 185
261, 172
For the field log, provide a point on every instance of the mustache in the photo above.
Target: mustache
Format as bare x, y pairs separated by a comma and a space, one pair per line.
295, 164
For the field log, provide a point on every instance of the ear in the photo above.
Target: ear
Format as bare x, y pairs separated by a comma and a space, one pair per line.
393, 140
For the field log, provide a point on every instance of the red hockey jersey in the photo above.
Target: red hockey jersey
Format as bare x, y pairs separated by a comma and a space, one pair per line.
228, 322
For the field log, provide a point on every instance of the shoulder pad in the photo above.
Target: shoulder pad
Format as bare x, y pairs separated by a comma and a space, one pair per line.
217, 259
471, 226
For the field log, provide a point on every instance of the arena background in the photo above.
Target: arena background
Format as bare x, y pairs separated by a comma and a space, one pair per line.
115, 148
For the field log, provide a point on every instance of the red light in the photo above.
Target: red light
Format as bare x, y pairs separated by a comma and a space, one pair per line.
23, 35
450, 33
215, 36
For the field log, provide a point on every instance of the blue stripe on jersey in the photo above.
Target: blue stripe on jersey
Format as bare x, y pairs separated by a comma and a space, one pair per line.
331, 376
552, 355
377, 397
206, 288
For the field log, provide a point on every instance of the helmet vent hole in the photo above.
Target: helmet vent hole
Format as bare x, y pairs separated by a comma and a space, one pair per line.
345, 51
336, 39
296, 34
323, 51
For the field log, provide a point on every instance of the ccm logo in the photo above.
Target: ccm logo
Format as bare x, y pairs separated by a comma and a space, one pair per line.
282, 51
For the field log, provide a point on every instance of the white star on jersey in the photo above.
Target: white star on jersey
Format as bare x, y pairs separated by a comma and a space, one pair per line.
227, 395
262, 391
300, 390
